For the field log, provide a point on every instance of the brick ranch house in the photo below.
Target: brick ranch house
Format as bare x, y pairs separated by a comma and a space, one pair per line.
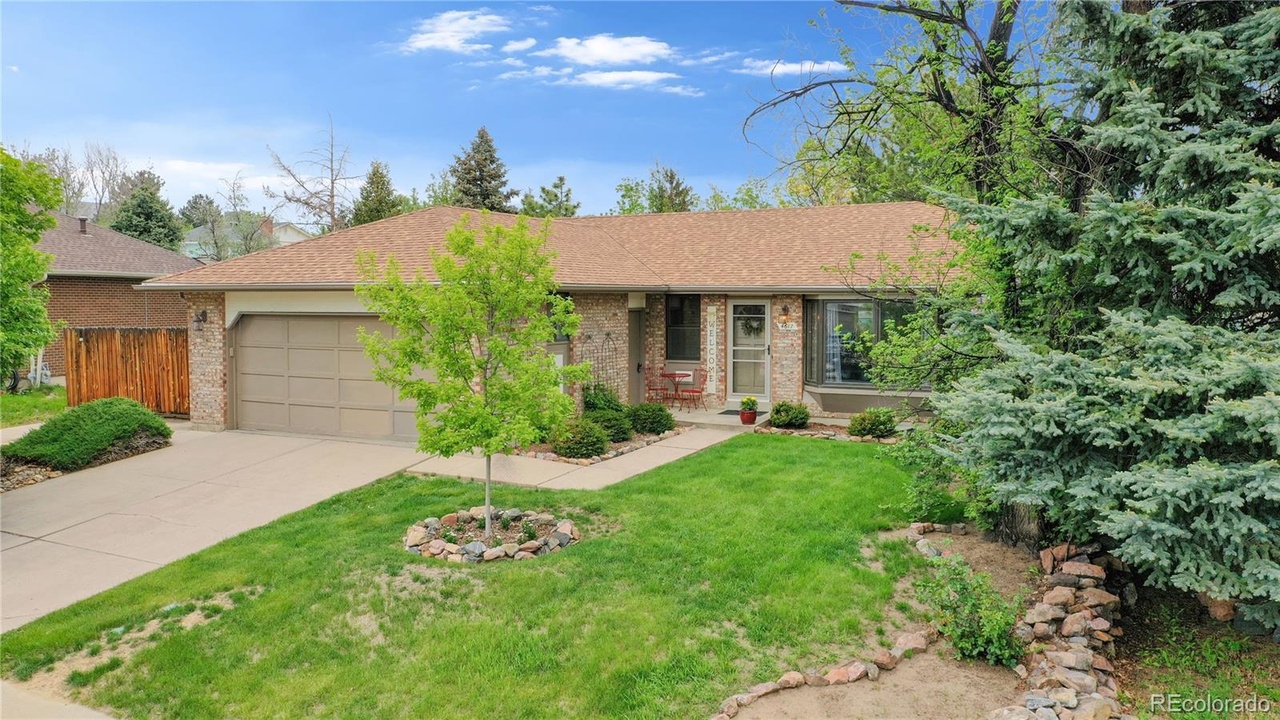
92, 277
744, 294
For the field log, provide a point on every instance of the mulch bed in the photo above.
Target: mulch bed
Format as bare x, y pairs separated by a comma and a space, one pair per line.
16, 473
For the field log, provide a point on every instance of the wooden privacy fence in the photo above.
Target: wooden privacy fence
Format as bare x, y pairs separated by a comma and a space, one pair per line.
146, 364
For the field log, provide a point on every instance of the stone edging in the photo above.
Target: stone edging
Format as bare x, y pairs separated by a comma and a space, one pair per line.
884, 660
631, 446
824, 435
423, 538
1071, 630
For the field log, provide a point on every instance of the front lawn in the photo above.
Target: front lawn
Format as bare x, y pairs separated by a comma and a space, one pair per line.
33, 406
692, 582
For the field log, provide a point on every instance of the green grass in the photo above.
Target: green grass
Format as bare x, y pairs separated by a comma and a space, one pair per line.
714, 572
1175, 648
35, 405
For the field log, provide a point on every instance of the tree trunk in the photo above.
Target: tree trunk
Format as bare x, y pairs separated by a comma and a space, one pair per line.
488, 510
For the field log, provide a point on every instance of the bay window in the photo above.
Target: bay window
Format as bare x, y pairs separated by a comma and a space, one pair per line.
829, 325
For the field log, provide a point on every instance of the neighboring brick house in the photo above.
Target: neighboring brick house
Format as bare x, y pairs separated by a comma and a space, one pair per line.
750, 296
92, 277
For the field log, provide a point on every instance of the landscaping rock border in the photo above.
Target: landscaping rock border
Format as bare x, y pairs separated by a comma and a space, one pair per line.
1070, 631
424, 538
623, 449
825, 435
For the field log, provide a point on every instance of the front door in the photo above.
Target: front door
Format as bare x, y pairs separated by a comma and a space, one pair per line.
749, 348
635, 356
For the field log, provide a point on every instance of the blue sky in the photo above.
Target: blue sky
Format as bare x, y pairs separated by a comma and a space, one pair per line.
593, 91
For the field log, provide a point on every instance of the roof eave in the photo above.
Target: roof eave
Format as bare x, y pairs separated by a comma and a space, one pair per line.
106, 274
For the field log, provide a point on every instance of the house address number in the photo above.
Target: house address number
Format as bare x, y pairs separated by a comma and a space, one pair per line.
788, 326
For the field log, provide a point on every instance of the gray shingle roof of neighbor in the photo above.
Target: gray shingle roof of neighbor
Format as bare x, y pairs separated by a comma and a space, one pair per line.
103, 252
740, 250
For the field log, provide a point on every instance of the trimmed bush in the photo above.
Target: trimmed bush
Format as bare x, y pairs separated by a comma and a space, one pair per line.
877, 422
616, 424
651, 418
580, 438
970, 613
598, 396
78, 436
789, 415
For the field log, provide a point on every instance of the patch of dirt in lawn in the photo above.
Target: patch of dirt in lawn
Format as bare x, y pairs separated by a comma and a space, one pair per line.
15, 474
65, 678
932, 685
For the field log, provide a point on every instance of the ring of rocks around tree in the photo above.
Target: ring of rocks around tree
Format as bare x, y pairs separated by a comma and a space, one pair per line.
517, 535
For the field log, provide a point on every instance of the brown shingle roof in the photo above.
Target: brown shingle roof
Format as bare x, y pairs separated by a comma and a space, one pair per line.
765, 249
106, 253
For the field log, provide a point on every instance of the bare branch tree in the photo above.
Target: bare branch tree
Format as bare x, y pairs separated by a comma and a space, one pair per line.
104, 169
317, 184
62, 164
248, 231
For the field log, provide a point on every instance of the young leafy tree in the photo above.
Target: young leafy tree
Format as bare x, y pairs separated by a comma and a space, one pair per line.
27, 191
147, 216
480, 176
664, 192
378, 198
479, 330
554, 201
750, 195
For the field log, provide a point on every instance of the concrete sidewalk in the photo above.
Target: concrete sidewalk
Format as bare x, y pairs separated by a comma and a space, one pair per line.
554, 475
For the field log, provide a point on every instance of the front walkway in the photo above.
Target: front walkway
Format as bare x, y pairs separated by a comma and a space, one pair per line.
555, 475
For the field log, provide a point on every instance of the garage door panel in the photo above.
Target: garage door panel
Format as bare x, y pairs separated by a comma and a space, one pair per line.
263, 360
262, 387
263, 415
313, 390
311, 361
313, 331
310, 375
318, 419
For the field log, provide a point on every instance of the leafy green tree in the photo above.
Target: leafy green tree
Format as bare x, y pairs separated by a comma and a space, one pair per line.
27, 192
663, 192
480, 177
554, 201
750, 195
199, 210
147, 216
377, 199
481, 335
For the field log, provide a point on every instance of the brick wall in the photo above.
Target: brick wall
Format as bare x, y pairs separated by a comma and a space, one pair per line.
786, 367
602, 337
655, 330
715, 324
107, 302
208, 358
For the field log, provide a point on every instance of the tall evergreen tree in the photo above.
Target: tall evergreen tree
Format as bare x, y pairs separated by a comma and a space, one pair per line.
147, 216
377, 199
664, 192
480, 176
199, 210
554, 201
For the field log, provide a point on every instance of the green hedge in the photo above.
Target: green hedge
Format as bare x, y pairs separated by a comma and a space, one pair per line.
580, 438
75, 438
651, 418
599, 396
789, 415
877, 422
616, 424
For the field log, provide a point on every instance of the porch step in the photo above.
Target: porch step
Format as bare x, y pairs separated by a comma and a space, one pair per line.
715, 421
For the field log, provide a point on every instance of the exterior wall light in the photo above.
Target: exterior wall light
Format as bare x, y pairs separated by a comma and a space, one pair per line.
199, 320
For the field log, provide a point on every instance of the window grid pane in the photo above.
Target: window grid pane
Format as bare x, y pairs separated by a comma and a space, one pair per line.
684, 327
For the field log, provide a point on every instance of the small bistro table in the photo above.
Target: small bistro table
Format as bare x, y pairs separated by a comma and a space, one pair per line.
676, 378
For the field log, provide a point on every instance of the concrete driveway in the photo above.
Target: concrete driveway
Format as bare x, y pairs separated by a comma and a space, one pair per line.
72, 537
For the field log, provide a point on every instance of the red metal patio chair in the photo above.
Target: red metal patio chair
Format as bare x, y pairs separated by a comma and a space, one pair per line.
656, 387
695, 394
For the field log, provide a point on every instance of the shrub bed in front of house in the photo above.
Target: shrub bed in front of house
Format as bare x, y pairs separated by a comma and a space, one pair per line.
91, 434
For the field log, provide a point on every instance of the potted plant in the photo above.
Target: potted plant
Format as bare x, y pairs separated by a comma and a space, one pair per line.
747, 410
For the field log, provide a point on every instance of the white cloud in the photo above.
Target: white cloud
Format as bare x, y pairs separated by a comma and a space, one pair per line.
542, 8
707, 57
767, 68
519, 45
605, 49
454, 31
541, 71
685, 90
11, 68
509, 62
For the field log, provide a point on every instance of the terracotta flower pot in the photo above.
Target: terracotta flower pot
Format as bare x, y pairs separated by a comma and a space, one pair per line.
747, 416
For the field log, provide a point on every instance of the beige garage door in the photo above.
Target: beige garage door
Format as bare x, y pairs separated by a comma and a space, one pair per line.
309, 374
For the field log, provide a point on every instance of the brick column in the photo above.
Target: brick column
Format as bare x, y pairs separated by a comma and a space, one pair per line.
207, 350
786, 368
602, 337
655, 330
